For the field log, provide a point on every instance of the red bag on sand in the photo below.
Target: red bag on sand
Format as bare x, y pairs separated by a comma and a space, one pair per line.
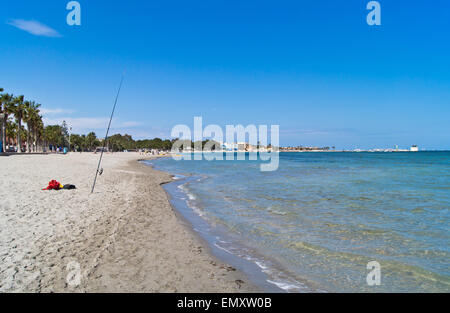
53, 184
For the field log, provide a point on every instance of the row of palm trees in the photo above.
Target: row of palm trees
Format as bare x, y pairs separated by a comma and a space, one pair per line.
23, 111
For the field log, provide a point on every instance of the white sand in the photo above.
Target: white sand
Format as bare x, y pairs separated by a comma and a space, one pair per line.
125, 237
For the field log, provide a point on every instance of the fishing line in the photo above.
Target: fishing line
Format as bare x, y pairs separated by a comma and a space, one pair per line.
107, 132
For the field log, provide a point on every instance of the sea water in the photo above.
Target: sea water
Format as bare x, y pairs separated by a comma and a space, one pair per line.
315, 223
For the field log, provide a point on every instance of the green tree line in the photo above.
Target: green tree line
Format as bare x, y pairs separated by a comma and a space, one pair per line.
19, 112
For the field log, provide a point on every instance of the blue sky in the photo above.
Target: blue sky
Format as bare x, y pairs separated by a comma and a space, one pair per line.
313, 67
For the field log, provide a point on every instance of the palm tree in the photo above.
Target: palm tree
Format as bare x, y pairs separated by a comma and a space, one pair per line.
6, 107
28, 106
34, 119
83, 142
19, 113
90, 140
1, 111
31, 115
11, 129
39, 132
2, 130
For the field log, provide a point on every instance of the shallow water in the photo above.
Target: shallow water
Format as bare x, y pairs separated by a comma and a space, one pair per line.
315, 223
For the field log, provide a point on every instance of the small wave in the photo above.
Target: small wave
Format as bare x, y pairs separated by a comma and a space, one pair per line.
189, 200
200, 231
197, 211
286, 286
261, 265
277, 278
220, 240
275, 211
185, 190
222, 248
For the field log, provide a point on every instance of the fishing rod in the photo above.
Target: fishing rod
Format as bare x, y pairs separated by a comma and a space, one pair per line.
107, 131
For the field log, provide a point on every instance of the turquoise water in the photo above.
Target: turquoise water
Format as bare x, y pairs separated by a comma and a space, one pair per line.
315, 223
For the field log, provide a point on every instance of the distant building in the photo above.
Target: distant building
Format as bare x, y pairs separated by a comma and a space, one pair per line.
301, 149
414, 148
229, 146
241, 146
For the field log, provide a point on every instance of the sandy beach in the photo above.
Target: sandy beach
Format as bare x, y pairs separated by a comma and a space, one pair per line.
123, 238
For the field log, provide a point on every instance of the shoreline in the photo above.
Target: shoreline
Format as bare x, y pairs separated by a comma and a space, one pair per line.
213, 239
264, 272
191, 230
126, 237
